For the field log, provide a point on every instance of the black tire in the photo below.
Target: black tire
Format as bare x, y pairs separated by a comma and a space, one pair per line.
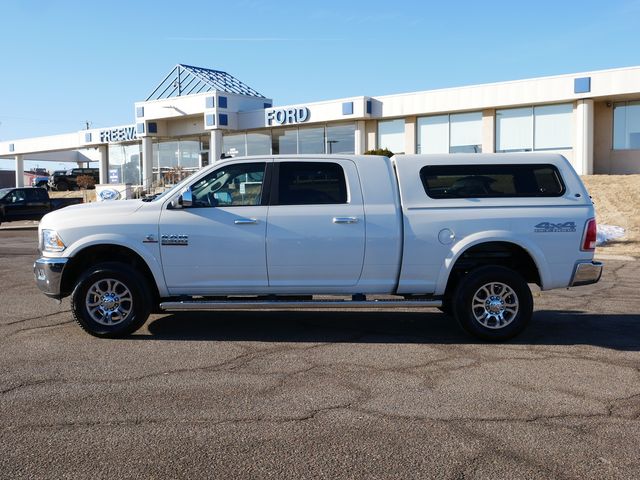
124, 306
62, 186
493, 303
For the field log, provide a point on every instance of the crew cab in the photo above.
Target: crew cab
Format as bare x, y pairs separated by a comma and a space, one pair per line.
29, 203
465, 233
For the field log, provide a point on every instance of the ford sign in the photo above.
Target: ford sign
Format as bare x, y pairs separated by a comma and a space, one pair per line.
109, 194
286, 116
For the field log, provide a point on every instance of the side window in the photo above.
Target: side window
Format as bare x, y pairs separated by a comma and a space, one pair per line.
32, 194
236, 185
41, 194
76, 171
311, 183
16, 196
491, 181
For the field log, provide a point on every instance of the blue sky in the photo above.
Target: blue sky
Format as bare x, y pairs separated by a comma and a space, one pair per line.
67, 62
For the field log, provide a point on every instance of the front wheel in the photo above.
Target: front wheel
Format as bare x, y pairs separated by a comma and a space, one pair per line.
493, 303
111, 300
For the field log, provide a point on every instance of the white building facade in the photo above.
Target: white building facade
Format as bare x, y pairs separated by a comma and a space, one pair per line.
198, 115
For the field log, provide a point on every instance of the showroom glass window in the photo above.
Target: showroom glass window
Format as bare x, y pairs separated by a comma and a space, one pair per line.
189, 154
284, 141
125, 164
544, 127
391, 135
455, 133
626, 125
174, 160
233, 145
341, 138
259, 143
311, 140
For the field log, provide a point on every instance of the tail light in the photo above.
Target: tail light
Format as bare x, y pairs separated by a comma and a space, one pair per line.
589, 238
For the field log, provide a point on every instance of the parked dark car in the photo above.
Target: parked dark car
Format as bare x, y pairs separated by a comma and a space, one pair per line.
68, 180
29, 203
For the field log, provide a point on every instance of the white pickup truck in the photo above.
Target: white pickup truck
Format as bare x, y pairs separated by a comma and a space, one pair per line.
466, 233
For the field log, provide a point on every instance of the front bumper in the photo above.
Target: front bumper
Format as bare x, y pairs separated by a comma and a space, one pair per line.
48, 273
586, 273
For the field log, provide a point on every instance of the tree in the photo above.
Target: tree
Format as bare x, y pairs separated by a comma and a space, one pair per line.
86, 181
380, 151
176, 174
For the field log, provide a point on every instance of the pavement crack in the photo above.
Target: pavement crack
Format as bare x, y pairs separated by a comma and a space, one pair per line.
39, 327
35, 318
163, 421
29, 384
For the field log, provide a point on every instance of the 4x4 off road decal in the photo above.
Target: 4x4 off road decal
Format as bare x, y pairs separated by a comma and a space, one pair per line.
549, 227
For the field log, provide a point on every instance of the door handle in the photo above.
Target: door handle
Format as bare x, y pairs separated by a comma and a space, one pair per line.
245, 221
345, 219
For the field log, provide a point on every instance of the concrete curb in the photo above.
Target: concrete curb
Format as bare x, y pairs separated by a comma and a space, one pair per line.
606, 256
19, 227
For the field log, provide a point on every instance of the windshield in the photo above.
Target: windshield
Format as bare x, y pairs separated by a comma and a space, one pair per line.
3, 192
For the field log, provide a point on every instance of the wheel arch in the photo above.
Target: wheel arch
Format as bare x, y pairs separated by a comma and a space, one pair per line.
498, 248
107, 252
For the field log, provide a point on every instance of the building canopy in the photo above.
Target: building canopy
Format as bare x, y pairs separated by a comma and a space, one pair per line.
189, 80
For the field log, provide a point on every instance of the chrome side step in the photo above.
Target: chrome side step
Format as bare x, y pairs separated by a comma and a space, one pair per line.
209, 305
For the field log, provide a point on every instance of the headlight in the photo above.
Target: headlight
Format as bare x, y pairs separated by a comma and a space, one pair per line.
51, 241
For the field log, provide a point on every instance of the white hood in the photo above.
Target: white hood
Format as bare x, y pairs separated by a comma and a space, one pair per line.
90, 214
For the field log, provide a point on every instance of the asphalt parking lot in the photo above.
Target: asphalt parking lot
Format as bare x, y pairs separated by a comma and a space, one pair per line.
375, 395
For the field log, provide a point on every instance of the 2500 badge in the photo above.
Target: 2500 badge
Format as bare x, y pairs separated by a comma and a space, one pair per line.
549, 227
174, 240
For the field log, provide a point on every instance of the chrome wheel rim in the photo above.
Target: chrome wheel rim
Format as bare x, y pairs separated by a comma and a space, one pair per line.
109, 302
495, 305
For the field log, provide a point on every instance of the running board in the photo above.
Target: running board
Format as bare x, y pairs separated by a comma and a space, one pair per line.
209, 305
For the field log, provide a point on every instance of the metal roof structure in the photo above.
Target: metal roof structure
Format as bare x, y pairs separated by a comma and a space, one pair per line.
187, 80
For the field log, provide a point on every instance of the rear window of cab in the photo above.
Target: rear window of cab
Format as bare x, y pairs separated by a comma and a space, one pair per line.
491, 181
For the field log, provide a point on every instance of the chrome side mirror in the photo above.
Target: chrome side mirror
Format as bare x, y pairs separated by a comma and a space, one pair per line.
186, 198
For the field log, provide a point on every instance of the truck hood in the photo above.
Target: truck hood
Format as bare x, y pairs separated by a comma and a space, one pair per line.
90, 214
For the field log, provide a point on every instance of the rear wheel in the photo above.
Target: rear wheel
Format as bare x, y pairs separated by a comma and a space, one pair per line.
493, 303
111, 300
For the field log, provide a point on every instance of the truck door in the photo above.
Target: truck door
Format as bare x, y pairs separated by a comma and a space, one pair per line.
15, 204
37, 203
216, 246
316, 226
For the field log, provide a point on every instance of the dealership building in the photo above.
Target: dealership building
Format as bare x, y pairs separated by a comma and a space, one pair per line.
197, 115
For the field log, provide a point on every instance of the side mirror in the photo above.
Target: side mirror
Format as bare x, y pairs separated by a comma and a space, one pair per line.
186, 198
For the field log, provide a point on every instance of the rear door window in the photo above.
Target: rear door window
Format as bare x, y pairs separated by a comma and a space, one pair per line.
491, 181
310, 183
41, 195
32, 194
